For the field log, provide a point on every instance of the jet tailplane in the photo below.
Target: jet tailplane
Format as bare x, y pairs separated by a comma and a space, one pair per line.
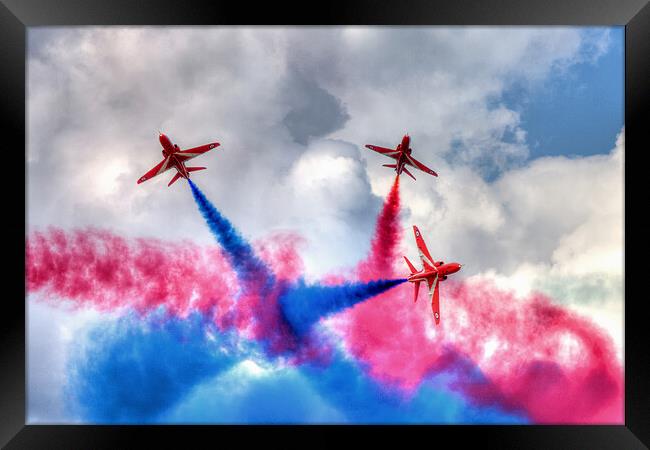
411, 266
408, 173
176, 177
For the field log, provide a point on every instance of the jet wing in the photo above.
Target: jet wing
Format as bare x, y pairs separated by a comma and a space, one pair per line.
159, 168
190, 153
418, 165
425, 256
390, 152
435, 297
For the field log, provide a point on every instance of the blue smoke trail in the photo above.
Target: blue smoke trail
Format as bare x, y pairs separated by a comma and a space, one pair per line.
304, 305
249, 267
131, 371
364, 400
337, 393
169, 370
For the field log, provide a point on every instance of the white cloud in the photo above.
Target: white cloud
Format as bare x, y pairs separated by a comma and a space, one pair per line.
50, 332
562, 234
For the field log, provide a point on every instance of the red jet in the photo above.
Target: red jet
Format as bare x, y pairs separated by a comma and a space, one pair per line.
402, 155
175, 159
433, 272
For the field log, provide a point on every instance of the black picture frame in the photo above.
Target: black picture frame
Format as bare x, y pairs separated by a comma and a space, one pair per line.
17, 15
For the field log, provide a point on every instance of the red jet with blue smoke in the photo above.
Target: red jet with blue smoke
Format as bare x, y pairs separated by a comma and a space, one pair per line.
402, 156
175, 159
433, 272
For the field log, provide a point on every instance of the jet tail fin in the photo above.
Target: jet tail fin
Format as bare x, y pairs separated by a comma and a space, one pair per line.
194, 169
392, 166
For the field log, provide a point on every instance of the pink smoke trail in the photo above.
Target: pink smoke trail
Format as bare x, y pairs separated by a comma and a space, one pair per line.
537, 356
96, 268
383, 250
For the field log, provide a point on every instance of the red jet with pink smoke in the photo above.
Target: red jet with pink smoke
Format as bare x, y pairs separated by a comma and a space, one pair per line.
402, 156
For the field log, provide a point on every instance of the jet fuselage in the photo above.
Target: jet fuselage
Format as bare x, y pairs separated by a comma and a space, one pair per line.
402, 156
442, 270
169, 149
404, 149
174, 157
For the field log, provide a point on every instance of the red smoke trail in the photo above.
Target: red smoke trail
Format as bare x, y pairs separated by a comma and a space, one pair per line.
95, 268
383, 250
280, 251
99, 269
536, 356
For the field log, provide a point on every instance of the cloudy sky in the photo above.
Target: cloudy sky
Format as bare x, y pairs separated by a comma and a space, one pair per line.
523, 125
